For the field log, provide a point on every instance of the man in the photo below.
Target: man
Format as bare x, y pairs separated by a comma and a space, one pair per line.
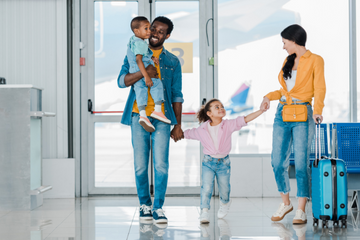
169, 71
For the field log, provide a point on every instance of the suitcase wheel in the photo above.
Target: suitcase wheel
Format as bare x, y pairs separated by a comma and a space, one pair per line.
343, 223
336, 224
325, 224
315, 222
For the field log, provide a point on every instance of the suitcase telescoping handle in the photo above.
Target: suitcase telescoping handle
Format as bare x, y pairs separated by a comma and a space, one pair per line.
317, 142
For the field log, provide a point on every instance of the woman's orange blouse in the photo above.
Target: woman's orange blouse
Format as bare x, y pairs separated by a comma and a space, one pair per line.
309, 83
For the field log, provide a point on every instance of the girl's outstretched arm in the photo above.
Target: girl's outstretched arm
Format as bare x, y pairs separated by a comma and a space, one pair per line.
253, 115
192, 134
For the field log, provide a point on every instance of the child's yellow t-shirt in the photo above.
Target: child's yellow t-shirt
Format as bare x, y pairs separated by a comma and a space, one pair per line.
151, 104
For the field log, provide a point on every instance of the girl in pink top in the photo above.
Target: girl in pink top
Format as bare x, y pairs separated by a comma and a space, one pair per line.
215, 136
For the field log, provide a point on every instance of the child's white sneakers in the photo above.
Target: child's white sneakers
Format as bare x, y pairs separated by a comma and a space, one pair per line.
204, 216
281, 212
224, 209
300, 217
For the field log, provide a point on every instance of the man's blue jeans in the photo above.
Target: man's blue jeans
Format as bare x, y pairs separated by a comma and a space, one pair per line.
160, 139
301, 135
211, 167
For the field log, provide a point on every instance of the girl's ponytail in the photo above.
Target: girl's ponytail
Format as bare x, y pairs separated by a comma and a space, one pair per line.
202, 113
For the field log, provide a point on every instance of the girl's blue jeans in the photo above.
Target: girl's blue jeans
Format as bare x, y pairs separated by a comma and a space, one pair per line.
301, 135
211, 167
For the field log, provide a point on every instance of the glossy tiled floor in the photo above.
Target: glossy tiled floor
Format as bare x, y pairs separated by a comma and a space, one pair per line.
117, 218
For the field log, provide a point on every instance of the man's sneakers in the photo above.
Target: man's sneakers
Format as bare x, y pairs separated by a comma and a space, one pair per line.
224, 209
160, 116
146, 124
281, 212
204, 216
300, 217
145, 212
159, 216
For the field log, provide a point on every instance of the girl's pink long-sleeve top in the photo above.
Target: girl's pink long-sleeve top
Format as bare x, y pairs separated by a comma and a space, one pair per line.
227, 127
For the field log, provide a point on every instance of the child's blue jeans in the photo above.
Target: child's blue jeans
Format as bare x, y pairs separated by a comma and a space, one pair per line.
141, 90
300, 134
211, 167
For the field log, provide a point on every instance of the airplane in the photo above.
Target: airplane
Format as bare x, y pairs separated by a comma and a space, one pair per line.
238, 101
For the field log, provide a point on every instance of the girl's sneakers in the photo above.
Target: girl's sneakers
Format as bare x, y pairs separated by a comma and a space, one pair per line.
146, 124
281, 212
160, 116
204, 216
224, 209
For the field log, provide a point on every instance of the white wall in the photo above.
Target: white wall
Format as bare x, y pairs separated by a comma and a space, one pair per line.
33, 50
60, 174
253, 177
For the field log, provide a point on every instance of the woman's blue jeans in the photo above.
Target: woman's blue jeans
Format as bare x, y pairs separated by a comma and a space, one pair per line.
211, 167
301, 135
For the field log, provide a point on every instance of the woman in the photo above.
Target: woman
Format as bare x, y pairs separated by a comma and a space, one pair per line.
308, 71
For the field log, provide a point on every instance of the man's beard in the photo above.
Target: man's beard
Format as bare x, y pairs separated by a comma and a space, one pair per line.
158, 44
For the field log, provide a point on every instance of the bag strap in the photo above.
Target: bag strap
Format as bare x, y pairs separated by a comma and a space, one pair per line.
284, 103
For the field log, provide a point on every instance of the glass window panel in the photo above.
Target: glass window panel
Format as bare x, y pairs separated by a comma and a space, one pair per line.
184, 161
112, 33
114, 160
183, 14
250, 53
184, 156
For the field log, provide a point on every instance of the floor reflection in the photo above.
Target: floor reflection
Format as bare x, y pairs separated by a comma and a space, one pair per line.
103, 218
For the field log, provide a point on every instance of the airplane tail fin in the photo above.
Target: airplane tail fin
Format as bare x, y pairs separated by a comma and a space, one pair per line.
241, 94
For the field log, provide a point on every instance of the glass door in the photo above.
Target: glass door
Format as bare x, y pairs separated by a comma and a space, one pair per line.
184, 167
107, 153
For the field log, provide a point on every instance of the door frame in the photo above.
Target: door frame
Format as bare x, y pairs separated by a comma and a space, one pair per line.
86, 88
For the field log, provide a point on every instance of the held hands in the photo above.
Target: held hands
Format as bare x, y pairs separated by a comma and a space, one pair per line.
148, 82
177, 133
155, 60
265, 105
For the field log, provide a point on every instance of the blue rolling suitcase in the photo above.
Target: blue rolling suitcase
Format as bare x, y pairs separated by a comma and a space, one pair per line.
329, 188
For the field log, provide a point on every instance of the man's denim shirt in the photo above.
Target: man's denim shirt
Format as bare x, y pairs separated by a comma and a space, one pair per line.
171, 78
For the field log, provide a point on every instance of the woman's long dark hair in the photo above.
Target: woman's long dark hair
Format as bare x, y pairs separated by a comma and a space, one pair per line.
296, 34
202, 113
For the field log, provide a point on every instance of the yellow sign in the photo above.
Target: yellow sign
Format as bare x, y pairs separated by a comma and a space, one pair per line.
184, 52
